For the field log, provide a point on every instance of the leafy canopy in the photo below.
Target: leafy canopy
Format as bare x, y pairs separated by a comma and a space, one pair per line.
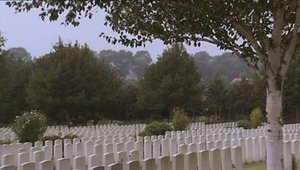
70, 83
173, 81
15, 68
248, 28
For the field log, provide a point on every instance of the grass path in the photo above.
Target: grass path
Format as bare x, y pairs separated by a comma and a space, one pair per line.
255, 166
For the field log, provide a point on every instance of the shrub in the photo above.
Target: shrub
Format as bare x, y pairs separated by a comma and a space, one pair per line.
156, 128
180, 119
244, 123
5, 141
50, 137
256, 117
30, 126
107, 121
55, 137
70, 136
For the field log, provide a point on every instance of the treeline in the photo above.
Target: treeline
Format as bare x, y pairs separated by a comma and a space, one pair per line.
74, 84
131, 66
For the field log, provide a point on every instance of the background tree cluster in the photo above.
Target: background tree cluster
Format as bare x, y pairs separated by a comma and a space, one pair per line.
228, 65
15, 68
74, 84
130, 66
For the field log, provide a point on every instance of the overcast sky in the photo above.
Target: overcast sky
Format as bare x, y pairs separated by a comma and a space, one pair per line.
37, 37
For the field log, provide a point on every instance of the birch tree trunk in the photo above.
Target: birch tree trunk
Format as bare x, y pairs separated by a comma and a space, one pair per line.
274, 127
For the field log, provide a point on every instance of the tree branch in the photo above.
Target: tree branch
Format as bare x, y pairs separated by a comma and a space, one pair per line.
244, 30
208, 40
278, 25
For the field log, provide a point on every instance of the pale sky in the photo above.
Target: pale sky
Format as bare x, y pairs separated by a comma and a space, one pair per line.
37, 37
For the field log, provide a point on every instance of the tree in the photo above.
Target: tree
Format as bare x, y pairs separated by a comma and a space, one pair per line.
242, 98
230, 66
173, 81
2, 41
130, 66
291, 97
256, 117
15, 67
227, 65
259, 91
264, 33
142, 59
216, 99
203, 62
71, 84
125, 107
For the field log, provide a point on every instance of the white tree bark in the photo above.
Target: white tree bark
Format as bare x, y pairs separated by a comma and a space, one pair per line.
274, 127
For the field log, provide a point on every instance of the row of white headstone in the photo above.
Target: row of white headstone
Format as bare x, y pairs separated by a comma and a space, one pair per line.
216, 159
119, 144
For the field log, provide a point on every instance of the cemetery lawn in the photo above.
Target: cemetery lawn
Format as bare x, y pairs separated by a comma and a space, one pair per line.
255, 166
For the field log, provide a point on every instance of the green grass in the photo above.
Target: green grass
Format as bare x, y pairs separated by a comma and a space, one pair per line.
255, 166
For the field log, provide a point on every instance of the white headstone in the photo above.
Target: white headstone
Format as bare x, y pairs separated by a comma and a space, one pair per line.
58, 142
38, 156
287, 155
108, 158
164, 163
237, 160
190, 161
192, 147
129, 146
23, 157
94, 160
38, 144
249, 150
98, 149
8, 160
173, 146
28, 166
182, 149
88, 148
108, 148
243, 145
119, 147
97, 168
63, 164
79, 163
68, 150
8, 167
134, 155
49, 143
121, 157
32, 150
115, 166
139, 145
132, 165
149, 164
177, 162
156, 148
255, 149
46, 165
215, 159
165, 147
147, 149
79, 150
48, 152
226, 159
57, 151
